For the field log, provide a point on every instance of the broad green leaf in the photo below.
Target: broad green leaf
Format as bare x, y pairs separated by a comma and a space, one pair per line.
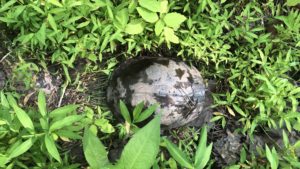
137, 110
10, 20
41, 34
285, 139
287, 123
163, 6
94, 151
292, 2
142, 148
22, 148
3, 160
170, 35
177, 154
68, 134
271, 158
98, 4
109, 9
23, 118
55, 2
201, 146
297, 145
295, 91
216, 118
275, 156
83, 24
174, 20
132, 6
297, 126
159, 27
243, 156
14, 146
202, 5
151, 5
63, 111
135, 27
205, 158
7, 5
44, 123
122, 17
239, 110
52, 22
67, 121
4, 101
124, 111
147, 15
25, 38
19, 10
51, 147
38, 9
42, 103
147, 113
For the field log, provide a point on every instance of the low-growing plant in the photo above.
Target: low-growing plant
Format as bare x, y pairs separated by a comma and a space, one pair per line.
139, 152
251, 48
72, 29
100, 119
33, 134
287, 157
201, 157
137, 116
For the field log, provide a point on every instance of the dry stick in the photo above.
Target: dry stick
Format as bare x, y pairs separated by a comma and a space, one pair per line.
63, 93
5, 56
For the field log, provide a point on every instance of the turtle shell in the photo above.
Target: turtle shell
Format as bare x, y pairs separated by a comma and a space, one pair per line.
179, 89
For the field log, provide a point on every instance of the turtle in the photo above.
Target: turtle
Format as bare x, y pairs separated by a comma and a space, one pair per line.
179, 89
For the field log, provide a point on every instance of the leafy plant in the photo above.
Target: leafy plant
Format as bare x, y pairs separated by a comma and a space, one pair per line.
292, 2
201, 157
94, 31
137, 116
272, 156
33, 133
101, 119
251, 48
139, 152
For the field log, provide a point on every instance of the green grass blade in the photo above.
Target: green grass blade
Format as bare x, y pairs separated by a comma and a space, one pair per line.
147, 113
51, 147
177, 154
201, 147
137, 110
63, 111
67, 121
24, 118
205, 158
124, 112
22, 148
42, 103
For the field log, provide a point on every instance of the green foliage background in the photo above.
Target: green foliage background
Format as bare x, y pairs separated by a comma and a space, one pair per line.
251, 48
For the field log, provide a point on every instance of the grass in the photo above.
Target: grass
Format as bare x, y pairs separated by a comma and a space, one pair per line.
251, 49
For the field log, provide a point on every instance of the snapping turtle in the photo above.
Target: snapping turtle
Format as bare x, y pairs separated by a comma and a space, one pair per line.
177, 87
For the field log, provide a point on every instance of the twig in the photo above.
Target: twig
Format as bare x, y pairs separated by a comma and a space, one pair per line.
5, 56
63, 93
